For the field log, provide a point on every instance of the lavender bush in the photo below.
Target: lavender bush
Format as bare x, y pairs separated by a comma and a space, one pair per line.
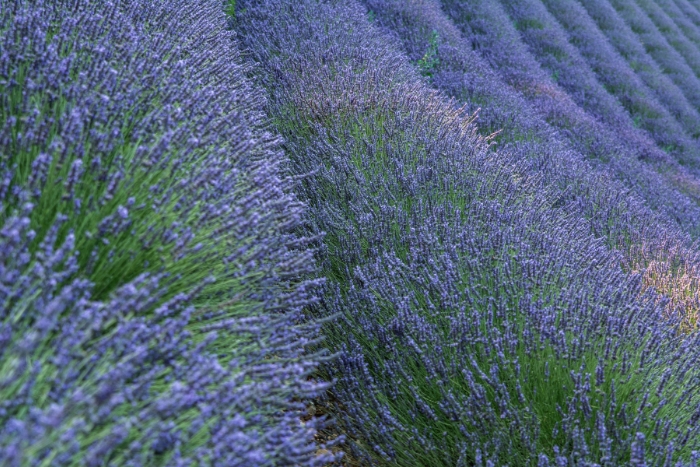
152, 278
481, 322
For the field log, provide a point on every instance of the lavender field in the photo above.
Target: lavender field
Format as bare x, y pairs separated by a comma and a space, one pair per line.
350, 233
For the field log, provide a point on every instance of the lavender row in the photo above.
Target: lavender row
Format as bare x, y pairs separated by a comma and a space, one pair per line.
667, 58
672, 33
152, 283
493, 31
480, 321
628, 45
691, 9
548, 43
669, 120
676, 13
621, 218
500, 45
624, 223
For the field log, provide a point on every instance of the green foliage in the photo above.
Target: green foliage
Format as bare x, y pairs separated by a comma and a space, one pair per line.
430, 59
230, 9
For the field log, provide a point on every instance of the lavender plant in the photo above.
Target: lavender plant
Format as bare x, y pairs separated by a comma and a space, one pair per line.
481, 322
151, 277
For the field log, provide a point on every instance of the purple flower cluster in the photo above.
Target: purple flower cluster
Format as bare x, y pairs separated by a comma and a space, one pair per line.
152, 275
488, 315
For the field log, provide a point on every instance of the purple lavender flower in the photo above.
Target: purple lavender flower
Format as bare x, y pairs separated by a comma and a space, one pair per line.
152, 278
459, 273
